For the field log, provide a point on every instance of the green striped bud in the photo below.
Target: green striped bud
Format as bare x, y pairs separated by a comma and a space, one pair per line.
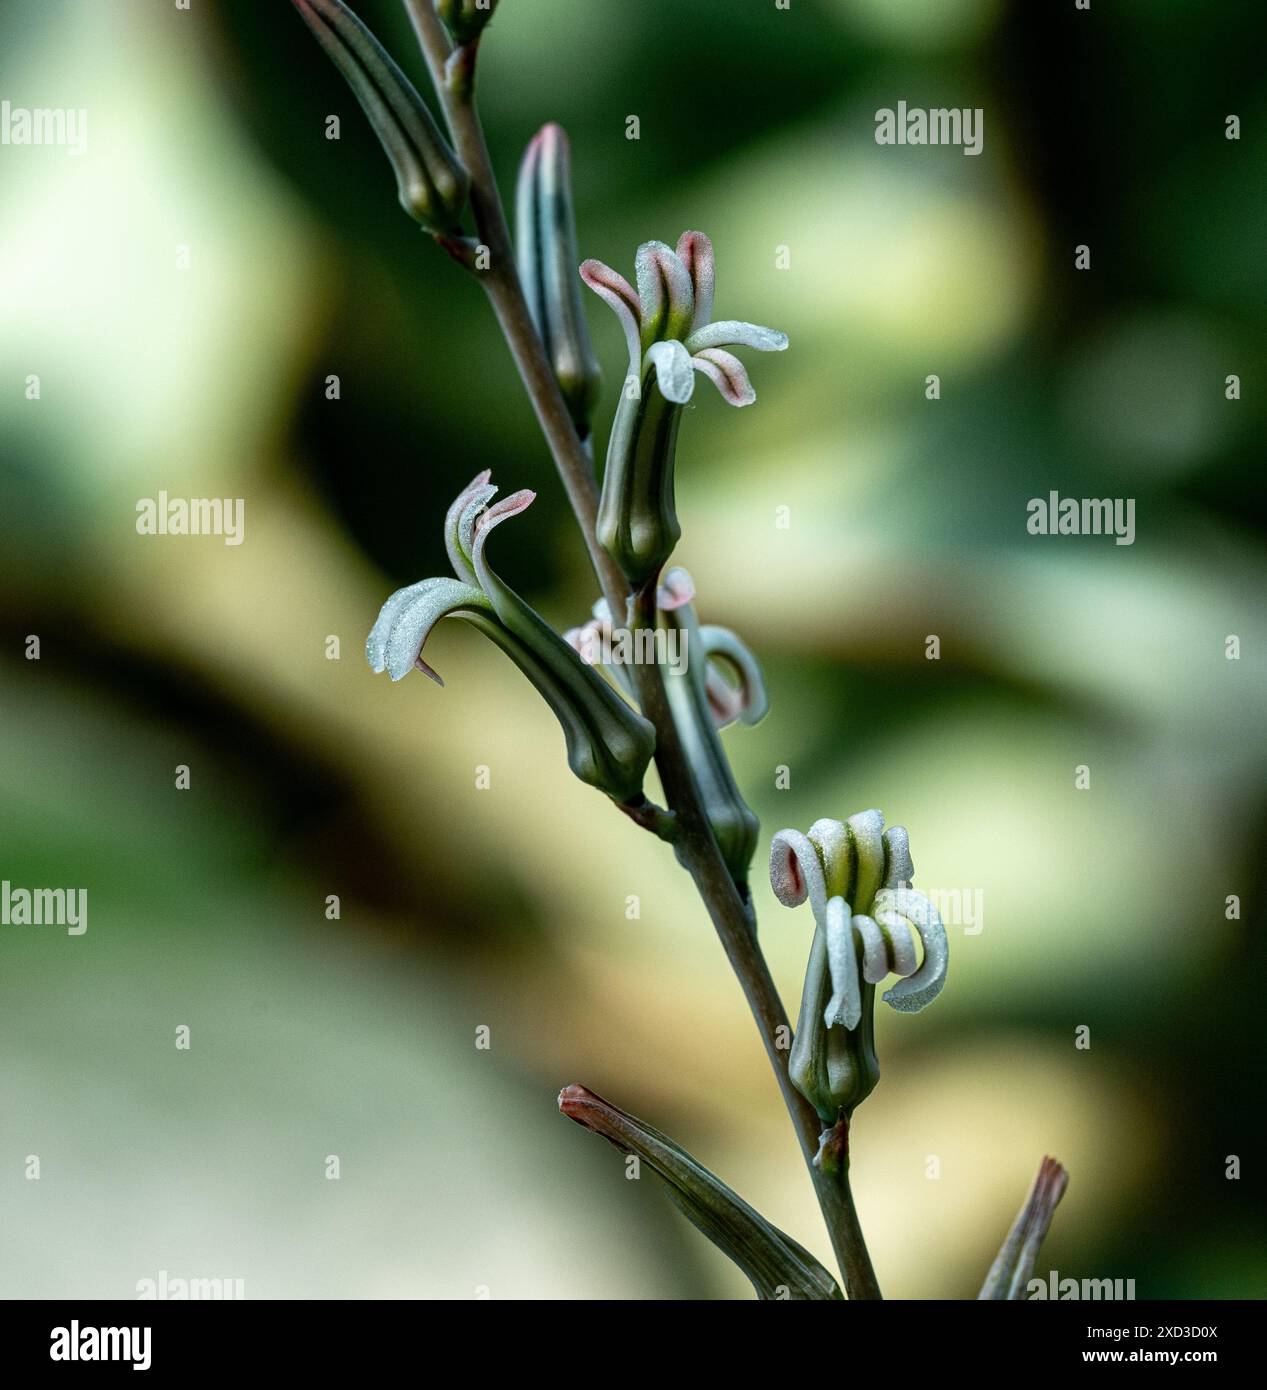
693, 696
430, 181
545, 252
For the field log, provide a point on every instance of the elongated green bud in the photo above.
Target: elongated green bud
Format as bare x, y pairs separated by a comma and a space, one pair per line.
734, 823
545, 251
431, 183
465, 19
778, 1267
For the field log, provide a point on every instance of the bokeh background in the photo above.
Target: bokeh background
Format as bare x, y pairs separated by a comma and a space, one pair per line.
505, 907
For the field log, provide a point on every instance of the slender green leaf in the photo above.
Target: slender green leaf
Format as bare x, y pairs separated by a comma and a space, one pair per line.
778, 1267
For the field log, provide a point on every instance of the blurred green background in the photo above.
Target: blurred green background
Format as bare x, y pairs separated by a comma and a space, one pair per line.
184, 289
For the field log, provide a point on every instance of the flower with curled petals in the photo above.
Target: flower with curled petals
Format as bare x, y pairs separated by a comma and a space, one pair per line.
868, 919
668, 326
668, 320
734, 687
608, 744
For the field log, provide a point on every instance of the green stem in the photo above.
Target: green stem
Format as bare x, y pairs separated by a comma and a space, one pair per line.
693, 837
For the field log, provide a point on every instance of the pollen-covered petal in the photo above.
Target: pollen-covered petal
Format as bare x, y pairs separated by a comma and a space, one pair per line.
845, 1004
695, 251
903, 956
727, 373
665, 291
614, 290
900, 869
673, 369
866, 836
920, 989
796, 872
376, 642
478, 489
464, 542
733, 333
396, 640
875, 954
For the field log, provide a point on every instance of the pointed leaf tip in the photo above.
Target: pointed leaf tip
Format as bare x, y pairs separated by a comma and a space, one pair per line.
777, 1266
1010, 1273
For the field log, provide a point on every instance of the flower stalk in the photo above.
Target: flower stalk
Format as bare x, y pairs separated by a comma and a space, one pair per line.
694, 840
857, 876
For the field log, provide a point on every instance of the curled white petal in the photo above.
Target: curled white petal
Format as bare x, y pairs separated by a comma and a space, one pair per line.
831, 840
845, 1004
795, 872
875, 949
376, 642
462, 545
622, 298
396, 640
732, 332
673, 370
695, 251
899, 941
665, 291
727, 373
920, 989
479, 489
721, 645
901, 869
866, 833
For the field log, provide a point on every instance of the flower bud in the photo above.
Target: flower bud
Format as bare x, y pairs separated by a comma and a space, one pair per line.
431, 183
546, 256
465, 19
668, 329
856, 876
777, 1266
